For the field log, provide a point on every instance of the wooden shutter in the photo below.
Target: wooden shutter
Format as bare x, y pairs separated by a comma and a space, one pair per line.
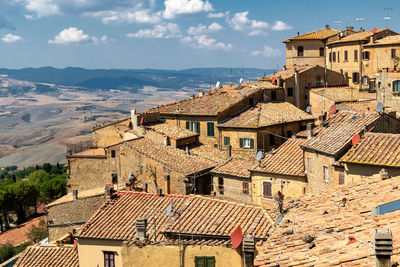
210, 261
251, 143
267, 191
210, 129
198, 127
241, 142
227, 141
199, 261
188, 125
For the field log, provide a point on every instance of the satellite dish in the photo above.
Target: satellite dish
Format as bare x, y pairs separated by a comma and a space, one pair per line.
308, 109
379, 107
259, 156
374, 30
244, 92
218, 84
355, 139
241, 80
169, 210
332, 109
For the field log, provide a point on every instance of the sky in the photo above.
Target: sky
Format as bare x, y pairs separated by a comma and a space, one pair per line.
171, 34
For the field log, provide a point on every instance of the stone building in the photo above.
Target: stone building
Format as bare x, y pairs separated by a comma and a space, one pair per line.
110, 133
308, 48
298, 80
261, 128
281, 170
375, 154
48, 255
232, 179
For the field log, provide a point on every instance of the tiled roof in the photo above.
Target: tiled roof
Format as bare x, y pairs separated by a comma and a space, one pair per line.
359, 106
343, 210
197, 215
213, 104
375, 149
338, 94
319, 34
112, 123
286, 160
287, 73
355, 37
388, 40
17, 235
171, 131
340, 130
208, 152
96, 152
267, 114
172, 158
236, 167
48, 256
81, 194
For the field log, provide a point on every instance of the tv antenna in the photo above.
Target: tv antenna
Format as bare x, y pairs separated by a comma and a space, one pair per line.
338, 23
359, 20
388, 11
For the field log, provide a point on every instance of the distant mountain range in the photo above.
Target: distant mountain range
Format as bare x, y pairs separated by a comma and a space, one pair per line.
133, 79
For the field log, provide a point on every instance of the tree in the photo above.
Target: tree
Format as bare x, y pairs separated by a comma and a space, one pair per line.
396, 62
6, 252
37, 233
53, 189
4, 206
47, 167
24, 195
38, 176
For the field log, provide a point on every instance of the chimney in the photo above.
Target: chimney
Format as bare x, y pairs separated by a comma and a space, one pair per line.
228, 151
187, 150
248, 248
134, 119
383, 247
298, 33
309, 131
108, 190
384, 174
327, 27
141, 225
284, 67
74, 195
159, 191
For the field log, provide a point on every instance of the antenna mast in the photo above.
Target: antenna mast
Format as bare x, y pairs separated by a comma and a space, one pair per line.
388, 11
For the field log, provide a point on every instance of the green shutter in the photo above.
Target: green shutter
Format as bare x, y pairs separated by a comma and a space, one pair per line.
188, 125
241, 142
227, 141
210, 129
210, 261
198, 127
199, 261
251, 143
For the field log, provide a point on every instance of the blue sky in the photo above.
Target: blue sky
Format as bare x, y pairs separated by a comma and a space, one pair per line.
170, 34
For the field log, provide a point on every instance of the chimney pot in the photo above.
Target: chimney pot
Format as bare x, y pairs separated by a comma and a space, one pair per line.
383, 247
141, 225
309, 130
134, 118
327, 26
74, 195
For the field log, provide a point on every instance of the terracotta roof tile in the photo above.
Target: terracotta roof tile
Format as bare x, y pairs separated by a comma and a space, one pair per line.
358, 106
329, 217
355, 37
197, 215
375, 149
81, 194
17, 235
171, 131
287, 73
236, 167
96, 152
46, 256
208, 152
267, 114
340, 130
388, 40
338, 94
286, 160
319, 34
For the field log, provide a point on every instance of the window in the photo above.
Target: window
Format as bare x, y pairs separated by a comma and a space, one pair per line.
321, 51
346, 55
245, 188
113, 153
289, 134
193, 126
221, 185
338, 56
334, 57
273, 95
365, 80
251, 101
300, 51
355, 55
330, 57
267, 190
309, 165
271, 139
227, 140
396, 86
356, 77
393, 53
210, 129
326, 173
246, 142
290, 91
109, 260
204, 261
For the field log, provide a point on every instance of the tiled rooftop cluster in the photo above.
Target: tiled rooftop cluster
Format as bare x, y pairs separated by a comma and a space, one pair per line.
338, 94
319, 34
17, 235
171, 131
45, 256
236, 167
359, 36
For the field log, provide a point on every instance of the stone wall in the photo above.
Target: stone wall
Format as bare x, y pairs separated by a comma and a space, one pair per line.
233, 187
110, 134
315, 175
311, 53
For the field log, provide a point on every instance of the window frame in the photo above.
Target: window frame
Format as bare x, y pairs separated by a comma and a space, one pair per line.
210, 129
396, 86
113, 153
109, 258
326, 173
205, 261
220, 185
272, 140
227, 140
193, 126
289, 91
393, 53
355, 74
264, 191
355, 55
246, 142
309, 165
300, 51
321, 51
334, 56
346, 56
245, 188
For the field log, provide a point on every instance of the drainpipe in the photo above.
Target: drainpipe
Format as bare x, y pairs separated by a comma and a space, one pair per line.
296, 89
361, 63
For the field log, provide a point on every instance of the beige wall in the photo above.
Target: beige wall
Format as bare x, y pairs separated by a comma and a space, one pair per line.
109, 135
357, 172
293, 186
380, 58
319, 104
233, 187
316, 181
235, 135
311, 53
385, 92
90, 252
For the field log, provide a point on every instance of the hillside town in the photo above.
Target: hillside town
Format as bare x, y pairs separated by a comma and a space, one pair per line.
299, 168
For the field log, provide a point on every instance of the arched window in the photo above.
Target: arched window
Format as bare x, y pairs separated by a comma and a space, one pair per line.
300, 51
321, 52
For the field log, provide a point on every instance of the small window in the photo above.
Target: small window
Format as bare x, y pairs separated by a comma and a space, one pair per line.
290, 91
267, 190
204, 261
341, 177
338, 56
365, 55
356, 77
245, 188
300, 51
109, 259
113, 153
321, 52
309, 165
346, 55
221, 185
273, 95
396, 86
227, 140
393, 53
326, 173
355, 55
193, 126
271, 139
210, 129
334, 57
246, 142
330, 57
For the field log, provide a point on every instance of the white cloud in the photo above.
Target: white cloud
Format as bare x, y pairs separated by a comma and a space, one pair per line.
216, 15
203, 29
128, 16
205, 42
162, 31
241, 22
41, 8
73, 35
11, 38
174, 8
281, 26
267, 52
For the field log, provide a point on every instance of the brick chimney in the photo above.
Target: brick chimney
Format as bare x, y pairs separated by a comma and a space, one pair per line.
141, 226
248, 251
383, 174
134, 119
383, 247
74, 195
309, 131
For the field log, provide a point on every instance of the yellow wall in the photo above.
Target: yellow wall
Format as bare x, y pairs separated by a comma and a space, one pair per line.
110, 134
311, 53
319, 104
357, 172
233, 187
385, 91
380, 58
235, 135
316, 181
90, 252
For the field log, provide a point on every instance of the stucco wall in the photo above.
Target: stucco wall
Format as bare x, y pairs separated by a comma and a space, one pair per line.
311, 53
233, 187
91, 252
357, 172
109, 135
316, 181
319, 104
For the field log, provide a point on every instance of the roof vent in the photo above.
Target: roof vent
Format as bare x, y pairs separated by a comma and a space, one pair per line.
141, 225
327, 27
383, 246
